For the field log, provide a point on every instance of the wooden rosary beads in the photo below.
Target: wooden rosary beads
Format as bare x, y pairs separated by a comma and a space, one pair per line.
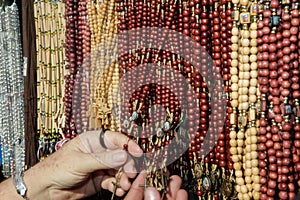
104, 66
81, 98
278, 64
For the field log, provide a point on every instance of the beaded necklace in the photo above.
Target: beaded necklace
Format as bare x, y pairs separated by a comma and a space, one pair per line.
104, 68
50, 74
244, 100
80, 94
278, 61
263, 86
11, 90
73, 60
295, 88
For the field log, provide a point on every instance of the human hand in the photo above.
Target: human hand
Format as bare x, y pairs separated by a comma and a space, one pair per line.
82, 167
173, 192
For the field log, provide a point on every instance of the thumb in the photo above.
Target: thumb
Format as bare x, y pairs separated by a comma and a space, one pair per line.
91, 162
151, 194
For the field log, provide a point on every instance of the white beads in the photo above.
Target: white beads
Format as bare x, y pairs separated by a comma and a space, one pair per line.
246, 50
253, 82
245, 59
253, 58
235, 158
234, 95
234, 103
253, 49
233, 71
234, 55
234, 39
246, 67
233, 149
245, 34
235, 31
253, 26
245, 42
234, 79
253, 74
245, 83
253, 42
234, 63
243, 98
252, 90
253, 34
234, 87
234, 47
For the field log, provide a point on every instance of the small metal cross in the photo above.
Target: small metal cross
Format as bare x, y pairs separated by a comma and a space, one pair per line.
145, 185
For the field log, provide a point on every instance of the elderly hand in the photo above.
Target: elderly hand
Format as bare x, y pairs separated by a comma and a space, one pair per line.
173, 193
82, 167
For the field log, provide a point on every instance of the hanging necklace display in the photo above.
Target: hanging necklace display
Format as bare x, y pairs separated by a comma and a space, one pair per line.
256, 152
50, 39
11, 92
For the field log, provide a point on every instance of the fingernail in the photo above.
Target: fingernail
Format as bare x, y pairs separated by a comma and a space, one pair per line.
151, 194
119, 156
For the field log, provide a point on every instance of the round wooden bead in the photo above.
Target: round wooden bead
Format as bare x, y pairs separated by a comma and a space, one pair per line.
235, 31
245, 42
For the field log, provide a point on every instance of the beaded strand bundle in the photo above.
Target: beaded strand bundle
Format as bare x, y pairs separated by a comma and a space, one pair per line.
12, 142
50, 28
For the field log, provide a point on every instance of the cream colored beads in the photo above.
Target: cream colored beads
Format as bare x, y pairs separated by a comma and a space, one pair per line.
252, 131
105, 75
234, 69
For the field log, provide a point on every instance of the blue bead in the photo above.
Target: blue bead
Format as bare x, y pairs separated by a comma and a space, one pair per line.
275, 20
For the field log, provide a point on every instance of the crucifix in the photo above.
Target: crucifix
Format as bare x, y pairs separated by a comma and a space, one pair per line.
103, 112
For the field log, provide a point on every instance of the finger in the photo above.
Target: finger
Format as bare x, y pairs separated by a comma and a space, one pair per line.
125, 182
129, 168
89, 142
109, 184
136, 192
114, 140
88, 163
174, 186
152, 194
182, 195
